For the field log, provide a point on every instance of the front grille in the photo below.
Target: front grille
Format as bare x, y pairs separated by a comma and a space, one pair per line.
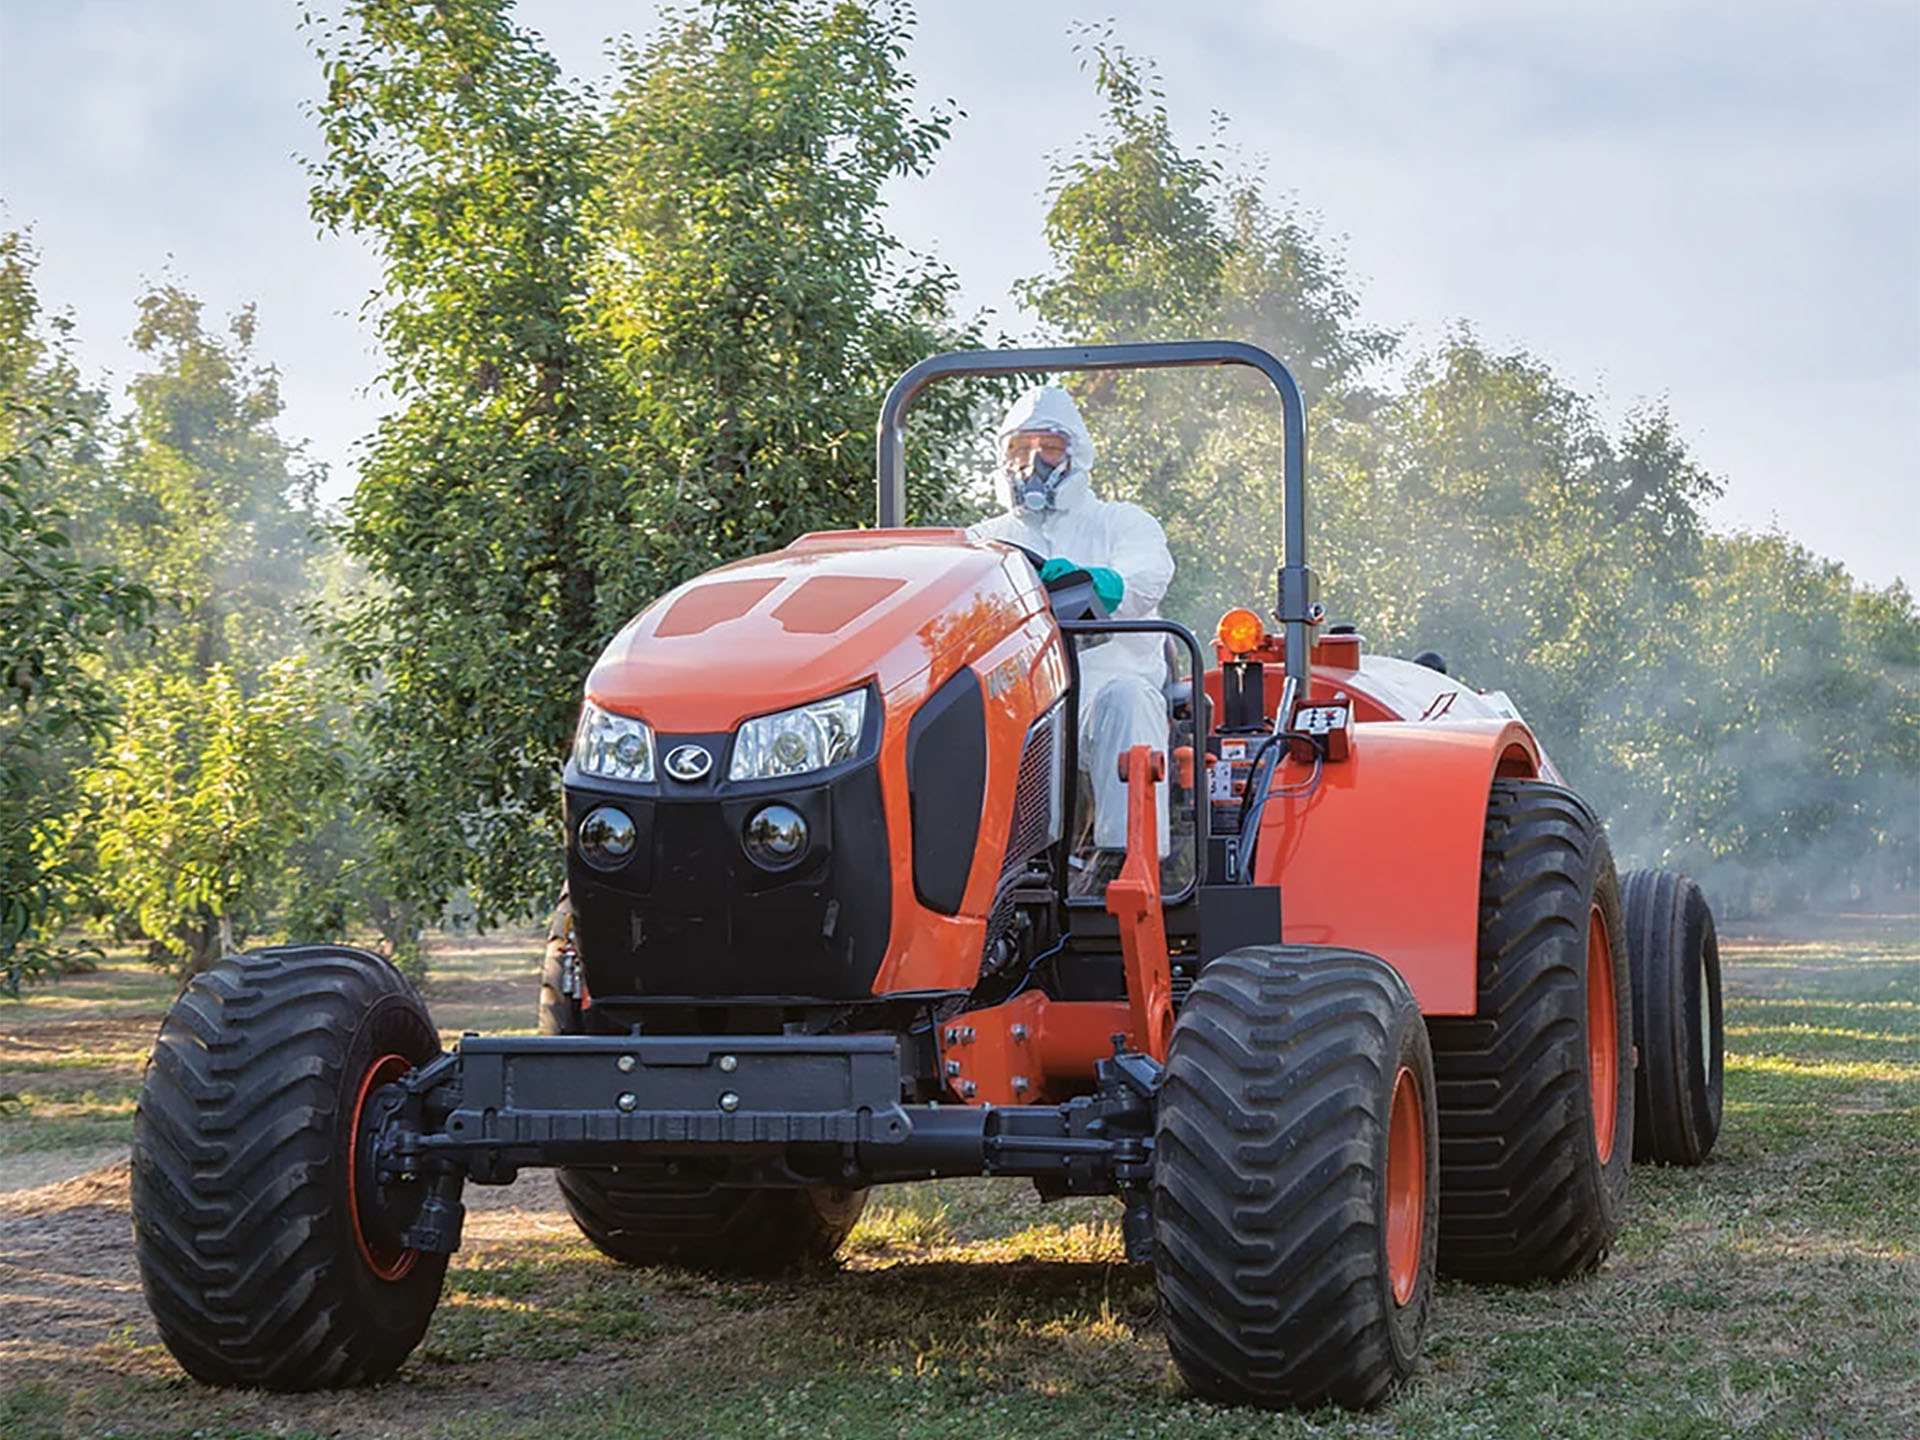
1036, 795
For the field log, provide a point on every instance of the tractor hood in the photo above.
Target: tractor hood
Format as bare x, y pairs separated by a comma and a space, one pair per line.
829, 612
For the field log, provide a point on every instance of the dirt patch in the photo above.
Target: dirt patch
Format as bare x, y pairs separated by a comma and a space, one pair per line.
41, 1035
36, 1169
67, 1282
71, 1310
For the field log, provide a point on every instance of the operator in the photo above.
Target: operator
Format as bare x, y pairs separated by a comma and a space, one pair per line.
1046, 465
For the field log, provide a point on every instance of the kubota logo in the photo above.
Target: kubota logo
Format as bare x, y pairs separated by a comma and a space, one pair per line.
688, 762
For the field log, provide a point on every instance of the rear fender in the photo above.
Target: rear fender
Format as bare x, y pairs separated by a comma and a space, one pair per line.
1382, 854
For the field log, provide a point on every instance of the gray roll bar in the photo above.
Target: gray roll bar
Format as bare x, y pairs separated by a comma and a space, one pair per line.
1299, 599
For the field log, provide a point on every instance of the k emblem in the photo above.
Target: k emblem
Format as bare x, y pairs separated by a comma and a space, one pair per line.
688, 762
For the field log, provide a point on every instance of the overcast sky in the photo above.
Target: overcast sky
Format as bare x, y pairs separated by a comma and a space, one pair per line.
1716, 206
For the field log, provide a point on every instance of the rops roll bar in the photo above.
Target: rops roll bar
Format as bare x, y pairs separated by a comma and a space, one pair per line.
1299, 598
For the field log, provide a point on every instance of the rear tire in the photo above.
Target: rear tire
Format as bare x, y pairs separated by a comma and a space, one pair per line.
1536, 1088
1677, 1022
640, 1216
1295, 1182
257, 1259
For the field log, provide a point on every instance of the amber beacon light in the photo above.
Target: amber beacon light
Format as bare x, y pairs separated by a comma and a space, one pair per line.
1241, 632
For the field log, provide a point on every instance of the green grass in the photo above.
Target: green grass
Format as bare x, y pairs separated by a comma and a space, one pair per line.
1773, 1292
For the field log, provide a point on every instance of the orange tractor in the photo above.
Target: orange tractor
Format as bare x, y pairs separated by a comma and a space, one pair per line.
1375, 1007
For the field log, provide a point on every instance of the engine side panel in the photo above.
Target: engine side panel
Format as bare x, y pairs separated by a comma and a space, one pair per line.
1383, 853
1022, 673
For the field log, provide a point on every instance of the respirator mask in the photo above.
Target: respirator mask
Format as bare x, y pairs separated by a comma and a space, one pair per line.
1034, 479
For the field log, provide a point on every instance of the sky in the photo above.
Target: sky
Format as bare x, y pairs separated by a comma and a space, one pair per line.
1715, 207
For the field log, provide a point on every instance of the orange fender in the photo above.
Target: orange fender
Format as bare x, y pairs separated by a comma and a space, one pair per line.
1382, 853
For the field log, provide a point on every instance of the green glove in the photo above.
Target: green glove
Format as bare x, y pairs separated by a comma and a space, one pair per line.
1107, 583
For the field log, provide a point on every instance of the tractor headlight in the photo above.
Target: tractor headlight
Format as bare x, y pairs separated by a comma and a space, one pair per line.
614, 747
807, 737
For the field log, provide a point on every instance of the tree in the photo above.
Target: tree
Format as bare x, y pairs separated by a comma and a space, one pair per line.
1152, 242
204, 500
1737, 706
628, 339
185, 825
1770, 744
59, 611
56, 614
759, 303
193, 812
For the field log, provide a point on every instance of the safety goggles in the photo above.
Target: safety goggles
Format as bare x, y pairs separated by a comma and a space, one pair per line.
1021, 447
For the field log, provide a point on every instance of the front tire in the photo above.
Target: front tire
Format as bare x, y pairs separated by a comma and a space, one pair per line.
260, 1262
640, 1215
1536, 1087
1677, 1022
1296, 1181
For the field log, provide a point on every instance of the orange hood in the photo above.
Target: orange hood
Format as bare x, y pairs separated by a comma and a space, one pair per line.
829, 612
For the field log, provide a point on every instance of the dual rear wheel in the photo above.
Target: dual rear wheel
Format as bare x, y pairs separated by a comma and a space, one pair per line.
1677, 1022
1322, 1149
1536, 1087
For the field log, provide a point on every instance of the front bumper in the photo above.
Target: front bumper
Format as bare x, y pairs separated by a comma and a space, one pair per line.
769, 1109
543, 1100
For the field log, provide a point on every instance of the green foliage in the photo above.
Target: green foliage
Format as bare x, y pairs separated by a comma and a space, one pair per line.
630, 338
204, 500
57, 613
59, 610
193, 813
454, 143
1152, 242
1771, 744
38, 377
758, 302
1740, 708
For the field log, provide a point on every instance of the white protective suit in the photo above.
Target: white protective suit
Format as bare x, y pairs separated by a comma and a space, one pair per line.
1122, 678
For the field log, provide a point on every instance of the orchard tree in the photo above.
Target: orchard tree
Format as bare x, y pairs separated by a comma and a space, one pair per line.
491, 496
193, 813
1153, 241
205, 501
185, 823
1737, 706
1770, 743
627, 339
759, 302
59, 611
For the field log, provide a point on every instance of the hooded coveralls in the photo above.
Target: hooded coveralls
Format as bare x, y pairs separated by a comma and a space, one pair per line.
1121, 678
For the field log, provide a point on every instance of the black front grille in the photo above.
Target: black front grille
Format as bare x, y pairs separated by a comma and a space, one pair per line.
692, 915
1036, 794
1036, 820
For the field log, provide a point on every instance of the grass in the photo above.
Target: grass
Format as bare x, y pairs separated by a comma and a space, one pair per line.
1774, 1291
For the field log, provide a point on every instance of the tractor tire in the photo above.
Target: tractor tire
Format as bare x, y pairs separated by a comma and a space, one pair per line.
1296, 1180
644, 1217
262, 1261
1677, 1022
1536, 1087
641, 1215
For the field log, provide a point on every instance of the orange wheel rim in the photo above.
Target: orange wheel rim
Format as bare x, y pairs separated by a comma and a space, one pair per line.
1603, 1038
388, 1262
1406, 1186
